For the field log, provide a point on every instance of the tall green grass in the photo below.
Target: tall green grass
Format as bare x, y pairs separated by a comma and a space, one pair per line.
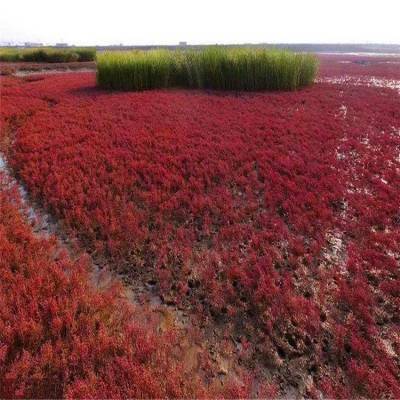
46, 54
212, 68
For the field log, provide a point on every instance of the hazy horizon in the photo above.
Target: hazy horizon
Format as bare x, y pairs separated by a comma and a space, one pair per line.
206, 22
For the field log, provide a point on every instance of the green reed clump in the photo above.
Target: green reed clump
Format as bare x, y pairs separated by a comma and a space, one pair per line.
136, 70
46, 54
218, 68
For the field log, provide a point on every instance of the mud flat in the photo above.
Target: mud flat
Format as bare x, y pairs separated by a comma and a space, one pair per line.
27, 68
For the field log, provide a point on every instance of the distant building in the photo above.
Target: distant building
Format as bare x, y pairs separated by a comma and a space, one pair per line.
33, 44
182, 44
61, 44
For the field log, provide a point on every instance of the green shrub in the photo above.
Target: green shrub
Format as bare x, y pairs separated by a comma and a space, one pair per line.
10, 55
50, 55
86, 54
212, 68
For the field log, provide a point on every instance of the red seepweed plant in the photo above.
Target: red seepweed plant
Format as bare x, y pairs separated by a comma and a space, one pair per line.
61, 337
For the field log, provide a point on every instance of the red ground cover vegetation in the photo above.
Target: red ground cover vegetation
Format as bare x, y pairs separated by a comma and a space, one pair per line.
60, 337
274, 215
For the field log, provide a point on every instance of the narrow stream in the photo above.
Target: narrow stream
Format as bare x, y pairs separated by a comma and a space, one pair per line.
42, 222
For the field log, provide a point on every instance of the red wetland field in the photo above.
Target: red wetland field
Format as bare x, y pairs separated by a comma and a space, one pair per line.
201, 243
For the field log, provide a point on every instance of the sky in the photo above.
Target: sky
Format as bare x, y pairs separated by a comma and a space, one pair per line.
87, 22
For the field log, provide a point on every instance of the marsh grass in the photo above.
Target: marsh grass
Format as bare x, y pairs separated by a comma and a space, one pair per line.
212, 68
46, 54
